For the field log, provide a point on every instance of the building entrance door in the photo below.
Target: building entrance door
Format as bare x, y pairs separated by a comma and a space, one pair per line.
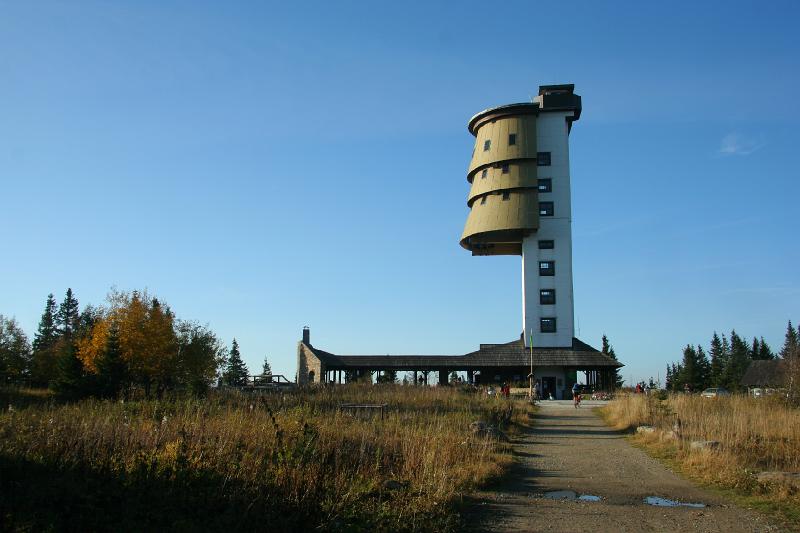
549, 388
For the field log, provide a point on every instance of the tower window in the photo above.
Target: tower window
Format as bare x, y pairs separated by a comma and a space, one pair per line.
547, 244
547, 268
545, 185
505, 168
484, 172
546, 209
483, 200
512, 139
487, 144
547, 297
506, 195
542, 158
547, 325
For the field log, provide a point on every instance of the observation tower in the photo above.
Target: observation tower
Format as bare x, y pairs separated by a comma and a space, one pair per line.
519, 204
519, 201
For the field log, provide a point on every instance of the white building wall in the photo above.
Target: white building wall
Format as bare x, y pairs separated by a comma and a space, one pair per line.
557, 377
553, 137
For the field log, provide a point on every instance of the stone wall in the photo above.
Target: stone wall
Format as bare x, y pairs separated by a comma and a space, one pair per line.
308, 363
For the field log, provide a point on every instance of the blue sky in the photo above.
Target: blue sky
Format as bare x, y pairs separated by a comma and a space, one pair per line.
264, 166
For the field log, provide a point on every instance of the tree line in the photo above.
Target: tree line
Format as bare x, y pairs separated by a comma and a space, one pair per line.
135, 342
726, 361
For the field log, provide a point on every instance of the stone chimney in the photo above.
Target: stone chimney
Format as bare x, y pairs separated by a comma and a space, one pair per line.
306, 336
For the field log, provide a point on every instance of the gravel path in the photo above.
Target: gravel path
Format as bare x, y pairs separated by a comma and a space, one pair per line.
571, 449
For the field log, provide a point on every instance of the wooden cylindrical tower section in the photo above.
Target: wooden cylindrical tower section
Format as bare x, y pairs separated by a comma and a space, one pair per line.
503, 198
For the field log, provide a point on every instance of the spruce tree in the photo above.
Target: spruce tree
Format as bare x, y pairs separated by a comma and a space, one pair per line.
765, 352
791, 342
608, 349
44, 342
761, 350
69, 382
689, 372
46, 334
266, 369
703, 369
68, 315
236, 373
675, 374
755, 350
112, 372
717, 361
738, 362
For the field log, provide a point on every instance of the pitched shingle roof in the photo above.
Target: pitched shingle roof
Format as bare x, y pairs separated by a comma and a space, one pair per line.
766, 373
510, 354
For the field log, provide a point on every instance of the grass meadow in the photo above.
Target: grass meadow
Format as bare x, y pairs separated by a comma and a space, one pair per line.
754, 434
273, 462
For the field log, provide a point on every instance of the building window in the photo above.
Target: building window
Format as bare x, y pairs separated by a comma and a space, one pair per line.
487, 144
506, 195
512, 139
546, 185
547, 297
547, 244
546, 209
505, 168
547, 325
547, 268
542, 158
484, 172
483, 200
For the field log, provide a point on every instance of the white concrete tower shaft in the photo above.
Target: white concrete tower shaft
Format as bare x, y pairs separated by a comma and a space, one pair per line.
520, 204
547, 302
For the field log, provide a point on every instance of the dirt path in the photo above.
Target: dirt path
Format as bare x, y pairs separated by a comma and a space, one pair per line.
573, 450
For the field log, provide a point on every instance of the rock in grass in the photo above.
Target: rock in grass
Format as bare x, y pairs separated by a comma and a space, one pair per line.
391, 485
704, 444
645, 429
478, 427
789, 479
482, 429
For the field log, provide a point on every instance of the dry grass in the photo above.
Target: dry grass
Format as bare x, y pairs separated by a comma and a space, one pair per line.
291, 461
755, 435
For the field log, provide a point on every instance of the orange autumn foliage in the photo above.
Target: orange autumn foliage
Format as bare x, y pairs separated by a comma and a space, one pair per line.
147, 337
92, 346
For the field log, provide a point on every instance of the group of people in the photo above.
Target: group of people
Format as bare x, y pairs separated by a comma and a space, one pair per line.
505, 391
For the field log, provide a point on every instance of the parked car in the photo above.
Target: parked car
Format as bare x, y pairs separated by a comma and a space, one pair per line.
760, 393
714, 392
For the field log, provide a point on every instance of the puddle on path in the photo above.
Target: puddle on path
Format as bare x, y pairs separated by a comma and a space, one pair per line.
570, 495
663, 502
